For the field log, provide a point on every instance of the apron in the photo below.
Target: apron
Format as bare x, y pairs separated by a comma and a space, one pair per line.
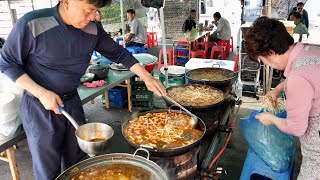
310, 149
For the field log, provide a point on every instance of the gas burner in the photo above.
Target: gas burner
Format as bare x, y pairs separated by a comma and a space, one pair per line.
179, 167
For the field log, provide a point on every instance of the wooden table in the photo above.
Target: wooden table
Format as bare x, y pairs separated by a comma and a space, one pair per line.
114, 78
188, 38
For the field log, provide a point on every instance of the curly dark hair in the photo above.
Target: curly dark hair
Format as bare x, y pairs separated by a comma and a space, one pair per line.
265, 35
100, 3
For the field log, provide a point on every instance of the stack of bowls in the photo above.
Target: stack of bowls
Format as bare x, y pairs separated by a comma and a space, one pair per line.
9, 115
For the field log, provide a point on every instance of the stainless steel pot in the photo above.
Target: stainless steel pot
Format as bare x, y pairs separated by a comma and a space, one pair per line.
122, 159
99, 70
93, 138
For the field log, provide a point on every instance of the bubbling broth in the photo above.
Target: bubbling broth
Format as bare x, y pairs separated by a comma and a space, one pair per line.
114, 172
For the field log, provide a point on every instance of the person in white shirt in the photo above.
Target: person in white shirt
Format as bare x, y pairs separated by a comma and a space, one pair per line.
137, 35
223, 31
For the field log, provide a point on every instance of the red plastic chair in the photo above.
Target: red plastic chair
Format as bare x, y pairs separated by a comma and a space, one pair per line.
236, 63
206, 47
198, 52
231, 43
196, 43
226, 44
169, 56
218, 49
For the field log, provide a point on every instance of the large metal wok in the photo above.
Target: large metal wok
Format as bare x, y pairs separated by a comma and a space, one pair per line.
122, 159
227, 81
165, 151
195, 108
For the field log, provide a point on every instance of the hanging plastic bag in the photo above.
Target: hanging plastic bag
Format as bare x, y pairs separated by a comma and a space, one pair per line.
273, 146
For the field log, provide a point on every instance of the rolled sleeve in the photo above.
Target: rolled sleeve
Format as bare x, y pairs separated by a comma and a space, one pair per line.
18, 46
113, 51
300, 93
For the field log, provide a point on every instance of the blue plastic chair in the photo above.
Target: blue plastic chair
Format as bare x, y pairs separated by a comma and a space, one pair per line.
134, 49
118, 39
255, 165
182, 48
144, 49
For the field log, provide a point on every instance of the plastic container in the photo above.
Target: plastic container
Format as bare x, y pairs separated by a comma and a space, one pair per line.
141, 97
172, 80
118, 94
254, 165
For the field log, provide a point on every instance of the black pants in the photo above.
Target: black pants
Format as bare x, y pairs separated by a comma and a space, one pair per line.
134, 44
51, 137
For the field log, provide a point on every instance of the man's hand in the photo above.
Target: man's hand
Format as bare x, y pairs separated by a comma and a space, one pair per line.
155, 86
266, 118
152, 84
50, 101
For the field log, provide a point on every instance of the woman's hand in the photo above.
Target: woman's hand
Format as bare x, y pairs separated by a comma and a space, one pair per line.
266, 118
275, 93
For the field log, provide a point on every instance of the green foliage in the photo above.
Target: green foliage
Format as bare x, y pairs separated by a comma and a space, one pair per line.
111, 14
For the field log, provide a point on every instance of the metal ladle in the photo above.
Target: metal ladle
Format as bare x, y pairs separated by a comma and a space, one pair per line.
88, 132
194, 119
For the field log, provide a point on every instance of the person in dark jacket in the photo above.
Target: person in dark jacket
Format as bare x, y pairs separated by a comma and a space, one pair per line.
303, 12
190, 22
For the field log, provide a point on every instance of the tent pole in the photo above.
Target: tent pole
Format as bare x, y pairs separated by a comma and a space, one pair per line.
164, 44
122, 24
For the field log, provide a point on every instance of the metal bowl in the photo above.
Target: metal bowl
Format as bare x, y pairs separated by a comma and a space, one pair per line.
93, 138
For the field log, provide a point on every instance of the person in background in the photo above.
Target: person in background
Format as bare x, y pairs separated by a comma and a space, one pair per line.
223, 31
300, 9
300, 28
190, 22
46, 53
138, 34
268, 40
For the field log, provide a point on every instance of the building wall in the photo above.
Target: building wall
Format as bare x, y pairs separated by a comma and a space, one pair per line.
21, 7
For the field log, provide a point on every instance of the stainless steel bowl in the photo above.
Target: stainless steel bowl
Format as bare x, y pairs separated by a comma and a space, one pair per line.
93, 138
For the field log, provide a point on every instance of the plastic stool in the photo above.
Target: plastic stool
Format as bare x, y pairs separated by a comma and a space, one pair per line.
144, 49
154, 38
206, 47
169, 57
220, 50
198, 52
149, 40
226, 44
236, 63
255, 165
231, 44
182, 61
134, 49
181, 50
197, 44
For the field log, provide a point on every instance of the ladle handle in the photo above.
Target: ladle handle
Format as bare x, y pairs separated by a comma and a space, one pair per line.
68, 116
177, 104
